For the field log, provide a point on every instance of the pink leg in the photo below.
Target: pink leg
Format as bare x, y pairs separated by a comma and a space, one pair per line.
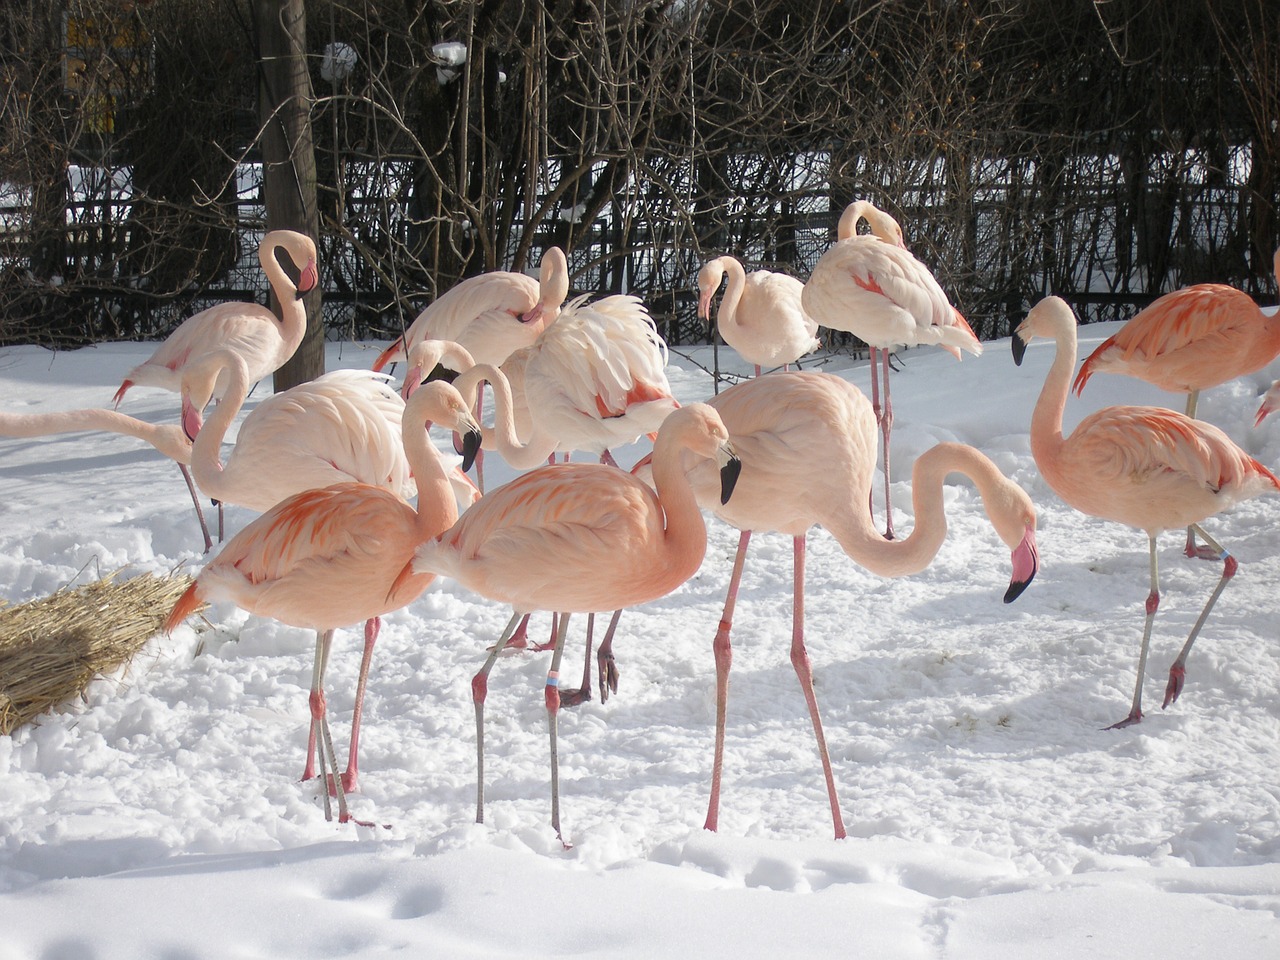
1152, 605
886, 425
724, 660
479, 690
195, 499
351, 779
607, 458
1178, 672
804, 670
757, 369
604, 659
319, 718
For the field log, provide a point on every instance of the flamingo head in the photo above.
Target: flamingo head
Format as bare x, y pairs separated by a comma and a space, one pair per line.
709, 278
1046, 319
1026, 562
308, 279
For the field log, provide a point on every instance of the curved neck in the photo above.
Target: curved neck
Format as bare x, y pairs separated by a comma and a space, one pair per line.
727, 314
293, 312
1046, 420
1002, 500
165, 438
206, 462
502, 436
685, 539
437, 507
848, 225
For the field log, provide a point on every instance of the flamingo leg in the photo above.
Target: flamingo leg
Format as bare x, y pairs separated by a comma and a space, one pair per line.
607, 669
607, 458
479, 690
804, 671
319, 715
886, 425
553, 711
724, 660
1178, 672
195, 499
351, 779
1153, 604
571, 698
317, 703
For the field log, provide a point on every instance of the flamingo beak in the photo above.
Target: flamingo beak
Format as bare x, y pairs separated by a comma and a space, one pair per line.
412, 381
307, 280
1026, 561
730, 468
534, 315
472, 439
1019, 346
191, 419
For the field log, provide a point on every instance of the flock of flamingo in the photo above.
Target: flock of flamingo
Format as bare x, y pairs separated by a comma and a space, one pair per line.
360, 511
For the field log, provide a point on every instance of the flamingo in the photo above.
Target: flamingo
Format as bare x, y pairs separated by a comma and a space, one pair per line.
872, 287
595, 377
760, 316
781, 425
343, 427
1148, 467
579, 537
324, 558
249, 329
1190, 340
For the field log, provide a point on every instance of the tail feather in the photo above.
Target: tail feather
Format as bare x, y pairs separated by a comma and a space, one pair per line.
187, 604
1087, 369
392, 353
121, 392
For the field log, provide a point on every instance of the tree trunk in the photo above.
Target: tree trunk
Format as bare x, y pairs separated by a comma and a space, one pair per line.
288, 157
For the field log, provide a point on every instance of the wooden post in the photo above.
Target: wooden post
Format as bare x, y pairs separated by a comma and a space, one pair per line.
288, 157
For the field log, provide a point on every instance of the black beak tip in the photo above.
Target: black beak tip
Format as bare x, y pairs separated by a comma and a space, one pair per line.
1016, 588
1019, 349
729, 478
470, 447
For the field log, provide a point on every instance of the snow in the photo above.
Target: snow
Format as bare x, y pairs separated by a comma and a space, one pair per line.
989, 813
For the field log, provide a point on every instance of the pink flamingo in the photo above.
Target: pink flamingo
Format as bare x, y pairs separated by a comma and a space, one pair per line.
761, 315
595, 377
249, 329
1147, 467
328, 557
343, 427
872, 287
577, 537
483, 314
1191, 340
783, 424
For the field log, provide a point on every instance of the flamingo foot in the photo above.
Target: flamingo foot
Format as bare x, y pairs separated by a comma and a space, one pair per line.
1177, 676
573, 698
1135, 716
608, 677
1200, 551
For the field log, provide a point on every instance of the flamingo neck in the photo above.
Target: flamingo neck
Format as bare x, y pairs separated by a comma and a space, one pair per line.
92, 418
293, 312
437, 507
727, 314
1002, 500
1046, 421
685, 537
502, 436
206, 464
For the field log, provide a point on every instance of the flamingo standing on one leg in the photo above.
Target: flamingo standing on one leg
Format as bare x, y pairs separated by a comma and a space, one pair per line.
249, 329
329, 557
578, 537
872, 287
782, 425
343, 427
761, 315
1190, 340
1147, 467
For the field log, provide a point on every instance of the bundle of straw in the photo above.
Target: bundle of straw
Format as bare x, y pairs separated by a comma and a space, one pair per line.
51, 648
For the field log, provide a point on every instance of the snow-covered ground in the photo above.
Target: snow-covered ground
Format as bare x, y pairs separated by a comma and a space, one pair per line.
989, 813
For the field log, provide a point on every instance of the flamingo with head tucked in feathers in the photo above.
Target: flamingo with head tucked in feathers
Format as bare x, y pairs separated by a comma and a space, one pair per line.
1191, 340
1148, 467
872, 287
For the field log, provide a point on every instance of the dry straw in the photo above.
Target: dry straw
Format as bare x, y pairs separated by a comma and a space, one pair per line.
51, 648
